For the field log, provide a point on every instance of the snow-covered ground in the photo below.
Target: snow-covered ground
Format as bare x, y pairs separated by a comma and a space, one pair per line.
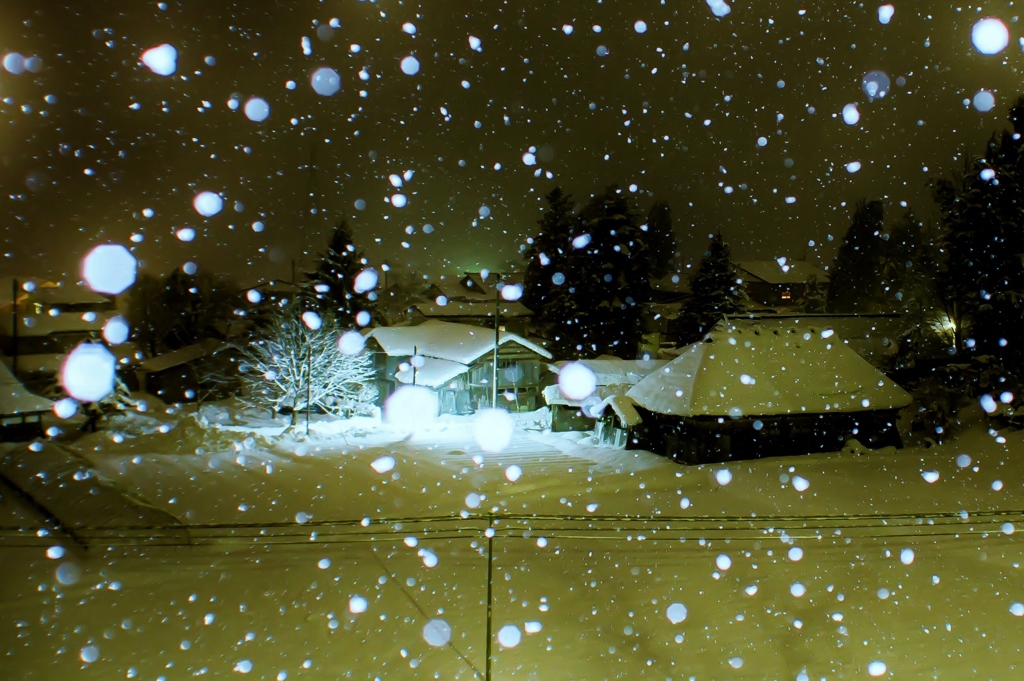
817, 565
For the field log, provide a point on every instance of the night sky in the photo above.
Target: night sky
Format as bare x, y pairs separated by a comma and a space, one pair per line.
676, 110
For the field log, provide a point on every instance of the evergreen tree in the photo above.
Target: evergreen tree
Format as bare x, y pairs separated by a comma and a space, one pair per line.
982, 277
856, 277
911, 274
813, 298
192, 307
716, 289
903, 248
588, 275
661, 240
145, 312
548, 267
610, 266
335, 276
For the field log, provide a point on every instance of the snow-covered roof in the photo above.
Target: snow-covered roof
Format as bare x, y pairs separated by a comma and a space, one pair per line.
35, 325
553, 395
467, 287
761, 369
273, 284
623, 407
15, 399
67, 295
434, 372
187, 354
619, 371
460, 343
51, 293
770, 271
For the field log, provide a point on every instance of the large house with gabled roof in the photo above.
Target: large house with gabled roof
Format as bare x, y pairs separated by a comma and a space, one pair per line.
456, 360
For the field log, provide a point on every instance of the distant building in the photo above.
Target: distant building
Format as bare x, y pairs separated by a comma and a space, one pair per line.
753, 389
775, 284
470, 299
456, 361
44, 324
514, 317
471, 287
667, 296
275, 290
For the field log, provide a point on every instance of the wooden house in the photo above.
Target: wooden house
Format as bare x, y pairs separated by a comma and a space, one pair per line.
456, 360
753, 389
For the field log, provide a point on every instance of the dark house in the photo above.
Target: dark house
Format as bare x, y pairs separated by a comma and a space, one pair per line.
48, 322
173, 376
456, 361
753, 389
778, 283
472, 300
20, 411
515, 318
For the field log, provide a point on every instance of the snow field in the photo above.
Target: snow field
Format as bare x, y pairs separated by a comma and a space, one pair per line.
795, 550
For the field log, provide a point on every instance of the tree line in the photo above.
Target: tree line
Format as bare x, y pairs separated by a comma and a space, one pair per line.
958, 282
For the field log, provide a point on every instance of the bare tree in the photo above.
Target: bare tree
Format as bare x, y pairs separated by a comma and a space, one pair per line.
292, 364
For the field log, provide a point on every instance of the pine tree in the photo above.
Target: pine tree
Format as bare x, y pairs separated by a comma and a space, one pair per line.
911, 274
912, 262
610, 269
588, 275
982, 277
145, 314
661, 240
192, 307
716, 290
856, 281
335, 276
813, 298
547, 267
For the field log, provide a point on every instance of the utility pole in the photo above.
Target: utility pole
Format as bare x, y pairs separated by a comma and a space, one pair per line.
14, 326
497, 341
490, 599
309, 387
150, 335
415, 352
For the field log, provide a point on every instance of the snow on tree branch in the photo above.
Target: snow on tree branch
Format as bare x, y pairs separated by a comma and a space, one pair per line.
288, 365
